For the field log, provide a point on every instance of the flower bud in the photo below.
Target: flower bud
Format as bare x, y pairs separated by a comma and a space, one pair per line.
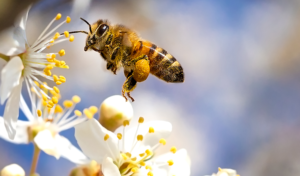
12, 170
92, 169
113, 111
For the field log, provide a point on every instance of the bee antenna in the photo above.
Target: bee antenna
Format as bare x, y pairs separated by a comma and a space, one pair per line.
76, 32
87, 24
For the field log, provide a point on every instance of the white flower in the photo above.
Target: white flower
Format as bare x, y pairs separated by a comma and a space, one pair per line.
226, 172
44, 125
12, 170
132, 154
25, 63
113, 111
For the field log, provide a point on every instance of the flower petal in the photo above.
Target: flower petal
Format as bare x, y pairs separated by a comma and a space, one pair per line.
46, 142
109, 168
162, 129
90, 137
21, 132
25, 109
22, 19
10, 77
11, 112
11, 42
70, 152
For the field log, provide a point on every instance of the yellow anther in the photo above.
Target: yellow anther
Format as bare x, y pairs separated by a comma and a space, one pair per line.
42, 85
119, 135
124, 156
76, 99
53, 56
128, 154
162, 141
48, 47
58, 82
50, 102
66, 34
151, 130
148, 152
173, 149
65, 66
44, 97
56, 36
47, 72
219, 169
133, 159
148, 167
52, 41
62, 63
106, 137
62, 79
150, 173
48, 55
58, 109
125, 123
135, 170
58, 16
78, 113
49, 59
141, 120
71, 39
142, 163
35, 82
170, 162
55, 78
142, 154
56, 89
68, 20
88, 114
49, 67
39, 112
32, 89
44, 103
68, 103
93, 109
139, 137
49, 106
54, 100
62, 52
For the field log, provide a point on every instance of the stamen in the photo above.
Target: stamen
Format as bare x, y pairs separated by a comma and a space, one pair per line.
78, 113
151, 130
140, 137
39, 112
88, 114
68, 104
125, 123
170, 162
58, 16
106, 137
62, 52
119, 135
76, 99
219, 169
68, 20
55, 100
162, 141
141, 120
58, 109
148, 152
150, 173
56, 89
128, 154
173, 149
66, 34
93, 109
142, 163
148, 167
135, 170
142, 154
71, 39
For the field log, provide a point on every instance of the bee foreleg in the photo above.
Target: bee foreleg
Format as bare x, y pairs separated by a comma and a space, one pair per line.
128, 86
95, 49
128, 94
123, 94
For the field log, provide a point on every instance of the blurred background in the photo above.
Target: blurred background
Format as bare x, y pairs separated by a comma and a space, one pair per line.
239, 105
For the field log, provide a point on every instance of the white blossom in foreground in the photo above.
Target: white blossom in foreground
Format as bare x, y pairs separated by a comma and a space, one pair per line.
113, 111
25, 63
226, 172
44, 125
132, 153
12, 170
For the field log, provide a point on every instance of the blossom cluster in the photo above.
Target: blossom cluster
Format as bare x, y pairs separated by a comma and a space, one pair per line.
107, 145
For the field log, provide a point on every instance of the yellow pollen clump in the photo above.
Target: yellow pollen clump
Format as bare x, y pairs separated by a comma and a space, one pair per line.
76, 99
58, 82
39, 112
55, 78
62, 52
52, 41
128, 154
142, 163
44, 103
135, 170
66, 34
56, 36
68, 103
71, 39
141, 120
173, 149
148, 167
151, 130
170, 162
106, 137
50, 104
87, 113
126, 123
35, 82
119, 135
47, 72
148, 152
58, 16
133, 159
78, 113
44, 97
93, 109
62, 79
124, 156
53, 92
139, 137
150, 173
54, 100
68, 20
58, 109
142, 154
162, 141
56, 89
53, 56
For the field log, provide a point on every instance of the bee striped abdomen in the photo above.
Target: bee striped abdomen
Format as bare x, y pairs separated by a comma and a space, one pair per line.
162, 64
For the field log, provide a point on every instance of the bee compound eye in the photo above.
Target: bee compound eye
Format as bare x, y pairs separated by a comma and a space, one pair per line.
109, 66
102, 29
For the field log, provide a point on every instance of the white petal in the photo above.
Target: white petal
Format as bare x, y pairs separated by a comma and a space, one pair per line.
70, 152
21, 20
11, 112
47, 142
9, 45
162, 129
21, 132
90, 137
10, 77
109, 168
25, 109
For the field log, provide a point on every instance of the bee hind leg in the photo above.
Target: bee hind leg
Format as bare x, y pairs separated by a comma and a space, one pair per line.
128, 86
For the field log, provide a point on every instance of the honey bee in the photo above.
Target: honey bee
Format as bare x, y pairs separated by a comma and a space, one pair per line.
120, 47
